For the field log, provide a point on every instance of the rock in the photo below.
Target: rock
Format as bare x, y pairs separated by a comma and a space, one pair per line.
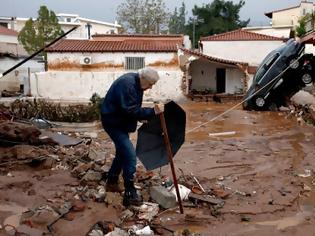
113, 199
81, 168
96, 232
44, 216
92, 176
163, 197
78, 206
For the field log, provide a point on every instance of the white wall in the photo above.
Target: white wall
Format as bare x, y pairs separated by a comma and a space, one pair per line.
8, 39
81, 85
118, 59
207, 80
13, 80
234, 81
252, 52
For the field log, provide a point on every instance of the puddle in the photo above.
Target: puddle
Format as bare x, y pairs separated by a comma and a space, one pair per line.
291, 221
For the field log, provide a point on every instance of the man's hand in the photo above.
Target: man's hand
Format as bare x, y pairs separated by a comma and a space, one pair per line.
159, 108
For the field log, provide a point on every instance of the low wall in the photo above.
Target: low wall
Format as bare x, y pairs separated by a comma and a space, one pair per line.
81, 85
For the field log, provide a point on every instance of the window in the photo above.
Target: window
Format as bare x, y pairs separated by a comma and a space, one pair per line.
4, 24
266, 64
68, 19
134, 63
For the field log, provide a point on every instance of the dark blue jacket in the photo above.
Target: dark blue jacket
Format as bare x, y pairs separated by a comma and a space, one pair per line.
121, 107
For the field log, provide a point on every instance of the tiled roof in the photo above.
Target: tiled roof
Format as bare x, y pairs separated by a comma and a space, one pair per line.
128, 36
240, 35
6, 31
116, 44
214, 59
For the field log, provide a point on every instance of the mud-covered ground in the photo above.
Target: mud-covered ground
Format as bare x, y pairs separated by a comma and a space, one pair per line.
264, 171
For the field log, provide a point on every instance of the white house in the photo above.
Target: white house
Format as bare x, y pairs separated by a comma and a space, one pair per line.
86, 27
225, 63
11, 53
240, 45
208, 75
79, 68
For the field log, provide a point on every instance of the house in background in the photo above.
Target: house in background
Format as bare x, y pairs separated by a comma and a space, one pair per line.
225, 63
240, 45
284, 21
11, 53
206, 76
86, 27
79, 68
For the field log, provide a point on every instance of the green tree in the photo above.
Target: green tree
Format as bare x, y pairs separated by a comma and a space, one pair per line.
143, 16
218, 17
300, 29
36, 34
177, 20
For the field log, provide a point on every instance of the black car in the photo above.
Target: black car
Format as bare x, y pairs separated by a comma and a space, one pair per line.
282, 73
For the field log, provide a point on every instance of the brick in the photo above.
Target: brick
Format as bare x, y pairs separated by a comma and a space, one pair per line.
163, 197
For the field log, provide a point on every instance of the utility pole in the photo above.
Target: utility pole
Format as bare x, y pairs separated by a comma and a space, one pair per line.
194, 30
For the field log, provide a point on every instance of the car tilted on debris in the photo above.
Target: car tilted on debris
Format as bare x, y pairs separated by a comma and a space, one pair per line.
281, 74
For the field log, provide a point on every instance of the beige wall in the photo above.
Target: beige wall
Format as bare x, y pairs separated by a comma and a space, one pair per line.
291, 16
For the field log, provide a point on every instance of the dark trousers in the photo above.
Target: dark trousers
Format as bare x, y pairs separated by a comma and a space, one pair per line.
125, 159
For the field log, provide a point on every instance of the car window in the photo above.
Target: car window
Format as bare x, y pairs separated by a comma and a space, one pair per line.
264, 67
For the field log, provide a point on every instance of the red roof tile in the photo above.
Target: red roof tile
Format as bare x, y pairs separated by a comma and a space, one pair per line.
214, 59
240, 35
122, 44
6, 31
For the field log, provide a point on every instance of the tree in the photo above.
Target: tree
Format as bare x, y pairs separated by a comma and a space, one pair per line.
178, 20
143, 16
36, 34
218, 17
300, 29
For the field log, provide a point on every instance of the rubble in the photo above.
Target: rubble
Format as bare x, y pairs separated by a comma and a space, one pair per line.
225, 190
163, 197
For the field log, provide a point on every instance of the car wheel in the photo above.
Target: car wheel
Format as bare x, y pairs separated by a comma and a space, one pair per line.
260, 102
307, 78
294, 63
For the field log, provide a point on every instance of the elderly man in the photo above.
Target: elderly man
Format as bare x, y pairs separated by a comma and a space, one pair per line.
120, 111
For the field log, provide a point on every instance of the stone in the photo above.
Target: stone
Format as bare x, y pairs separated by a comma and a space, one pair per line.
92, 176
81, 168
163, 197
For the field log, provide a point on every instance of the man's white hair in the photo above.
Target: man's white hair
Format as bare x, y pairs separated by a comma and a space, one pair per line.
149, 74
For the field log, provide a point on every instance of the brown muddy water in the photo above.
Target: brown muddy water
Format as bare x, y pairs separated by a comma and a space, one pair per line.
266, 164
265, 155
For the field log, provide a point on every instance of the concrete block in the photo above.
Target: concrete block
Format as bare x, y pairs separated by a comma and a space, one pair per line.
163, 197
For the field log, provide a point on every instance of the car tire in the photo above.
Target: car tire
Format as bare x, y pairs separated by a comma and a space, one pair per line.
294, 63
260, 102
306, 78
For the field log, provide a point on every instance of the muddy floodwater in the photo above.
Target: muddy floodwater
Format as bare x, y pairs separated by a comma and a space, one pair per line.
263, 162
265, 159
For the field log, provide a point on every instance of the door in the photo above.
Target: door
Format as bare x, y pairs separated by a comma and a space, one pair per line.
220, 80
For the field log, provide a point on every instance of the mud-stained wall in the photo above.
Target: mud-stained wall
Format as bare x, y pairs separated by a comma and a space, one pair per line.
107, 61
80, 86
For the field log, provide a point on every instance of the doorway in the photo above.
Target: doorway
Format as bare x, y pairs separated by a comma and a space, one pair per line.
220, 80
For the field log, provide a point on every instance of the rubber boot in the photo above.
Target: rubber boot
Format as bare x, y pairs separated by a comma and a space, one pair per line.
112, 185
131, 197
